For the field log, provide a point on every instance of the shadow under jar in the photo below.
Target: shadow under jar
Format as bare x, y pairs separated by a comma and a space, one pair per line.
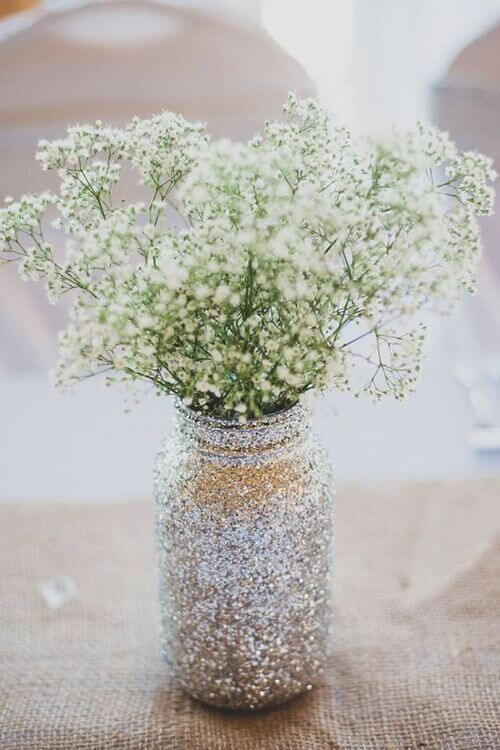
244, 519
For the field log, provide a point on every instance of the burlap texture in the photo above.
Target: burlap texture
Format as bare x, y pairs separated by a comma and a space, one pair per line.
416, 654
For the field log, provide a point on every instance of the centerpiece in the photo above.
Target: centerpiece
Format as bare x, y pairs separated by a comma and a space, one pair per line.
248, 276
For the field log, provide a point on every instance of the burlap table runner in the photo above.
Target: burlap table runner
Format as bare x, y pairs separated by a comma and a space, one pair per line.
415, 661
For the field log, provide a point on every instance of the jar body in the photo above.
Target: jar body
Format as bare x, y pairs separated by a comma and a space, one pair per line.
244, 523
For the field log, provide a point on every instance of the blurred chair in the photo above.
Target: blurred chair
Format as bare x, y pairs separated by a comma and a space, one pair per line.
466, 102
7, 7
113, 60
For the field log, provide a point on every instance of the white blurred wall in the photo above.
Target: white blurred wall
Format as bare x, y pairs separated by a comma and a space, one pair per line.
373, 61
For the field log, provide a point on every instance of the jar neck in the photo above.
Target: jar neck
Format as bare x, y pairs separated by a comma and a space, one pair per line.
269, 433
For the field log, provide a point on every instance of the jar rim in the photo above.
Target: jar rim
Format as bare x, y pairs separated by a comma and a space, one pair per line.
273, 418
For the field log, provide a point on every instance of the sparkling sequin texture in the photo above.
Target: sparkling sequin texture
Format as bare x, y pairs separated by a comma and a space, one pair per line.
245, 531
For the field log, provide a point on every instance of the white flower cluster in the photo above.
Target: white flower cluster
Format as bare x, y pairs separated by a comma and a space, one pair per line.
302, 262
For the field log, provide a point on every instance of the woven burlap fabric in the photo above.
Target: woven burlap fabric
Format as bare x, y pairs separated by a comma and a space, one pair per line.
416, 655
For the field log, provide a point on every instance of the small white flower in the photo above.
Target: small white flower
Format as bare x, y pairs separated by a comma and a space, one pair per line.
222, 292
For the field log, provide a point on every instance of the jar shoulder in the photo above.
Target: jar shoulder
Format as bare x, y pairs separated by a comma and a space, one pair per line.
183, 471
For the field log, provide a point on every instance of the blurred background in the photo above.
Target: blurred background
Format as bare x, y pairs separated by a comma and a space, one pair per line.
231, 63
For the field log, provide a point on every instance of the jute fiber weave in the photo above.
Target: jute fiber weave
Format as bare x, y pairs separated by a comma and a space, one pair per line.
416, 655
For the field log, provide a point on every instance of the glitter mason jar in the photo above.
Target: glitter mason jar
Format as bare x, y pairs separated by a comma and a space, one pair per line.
245, 531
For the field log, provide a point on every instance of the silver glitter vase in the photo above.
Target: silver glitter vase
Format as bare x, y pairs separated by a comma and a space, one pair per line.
245, 531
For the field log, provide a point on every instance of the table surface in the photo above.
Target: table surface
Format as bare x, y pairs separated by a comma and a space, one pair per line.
415, 660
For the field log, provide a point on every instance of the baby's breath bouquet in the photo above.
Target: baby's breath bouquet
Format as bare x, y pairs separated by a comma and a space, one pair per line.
250, 274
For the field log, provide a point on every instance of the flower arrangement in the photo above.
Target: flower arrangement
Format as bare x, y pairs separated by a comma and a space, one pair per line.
252, 273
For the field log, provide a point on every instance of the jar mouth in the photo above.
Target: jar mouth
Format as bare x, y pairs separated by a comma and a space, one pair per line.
242, 441
270, 419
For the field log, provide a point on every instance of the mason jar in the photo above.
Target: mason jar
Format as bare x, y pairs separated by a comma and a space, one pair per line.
244, 522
